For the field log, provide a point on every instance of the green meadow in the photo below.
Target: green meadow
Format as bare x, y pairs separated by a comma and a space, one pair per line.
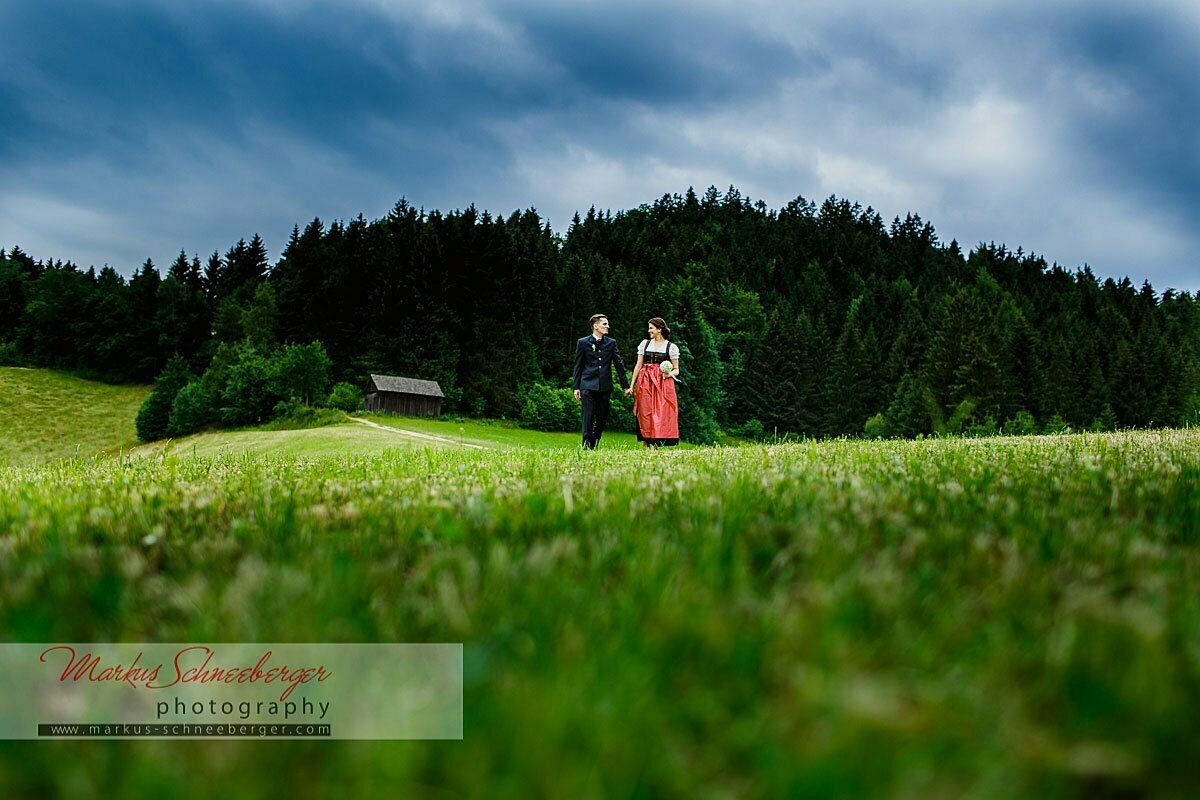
945, 618
941, 618
352, 438
502, 433
47, 415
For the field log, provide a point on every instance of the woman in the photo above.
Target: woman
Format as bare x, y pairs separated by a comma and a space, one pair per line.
655, 406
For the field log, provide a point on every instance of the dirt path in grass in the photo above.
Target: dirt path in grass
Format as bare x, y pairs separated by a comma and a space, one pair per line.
429, 437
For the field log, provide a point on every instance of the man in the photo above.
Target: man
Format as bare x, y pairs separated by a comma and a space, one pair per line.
595, 356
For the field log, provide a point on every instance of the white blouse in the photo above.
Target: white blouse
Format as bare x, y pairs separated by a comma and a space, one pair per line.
666, 347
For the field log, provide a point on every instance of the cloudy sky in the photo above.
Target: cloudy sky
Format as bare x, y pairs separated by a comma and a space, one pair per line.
133, 129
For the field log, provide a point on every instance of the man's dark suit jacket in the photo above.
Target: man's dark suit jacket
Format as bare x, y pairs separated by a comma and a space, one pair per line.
594, 362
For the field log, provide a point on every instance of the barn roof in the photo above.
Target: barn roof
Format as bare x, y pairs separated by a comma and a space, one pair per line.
391, 383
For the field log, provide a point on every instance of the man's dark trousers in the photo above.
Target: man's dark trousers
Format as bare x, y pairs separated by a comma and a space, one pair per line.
595, 415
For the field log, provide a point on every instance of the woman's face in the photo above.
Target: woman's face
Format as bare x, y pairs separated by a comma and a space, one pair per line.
653, 331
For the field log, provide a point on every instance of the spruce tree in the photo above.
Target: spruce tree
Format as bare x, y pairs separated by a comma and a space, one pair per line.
146, 359
851, 396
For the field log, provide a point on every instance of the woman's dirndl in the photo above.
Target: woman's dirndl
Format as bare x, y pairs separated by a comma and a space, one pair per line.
655, 405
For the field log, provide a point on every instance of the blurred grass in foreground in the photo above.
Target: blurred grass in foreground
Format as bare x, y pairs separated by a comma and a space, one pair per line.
989, 618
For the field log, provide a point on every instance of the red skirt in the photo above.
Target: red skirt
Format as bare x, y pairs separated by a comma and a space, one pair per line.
656, 407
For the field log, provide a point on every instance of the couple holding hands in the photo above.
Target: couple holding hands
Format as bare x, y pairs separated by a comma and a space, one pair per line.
655, 405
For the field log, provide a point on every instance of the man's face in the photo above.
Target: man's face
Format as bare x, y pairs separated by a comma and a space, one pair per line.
601, 326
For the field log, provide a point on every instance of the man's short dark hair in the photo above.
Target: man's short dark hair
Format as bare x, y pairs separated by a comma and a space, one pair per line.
596, 318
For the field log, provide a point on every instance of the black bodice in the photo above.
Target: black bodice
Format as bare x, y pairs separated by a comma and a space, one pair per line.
649, 357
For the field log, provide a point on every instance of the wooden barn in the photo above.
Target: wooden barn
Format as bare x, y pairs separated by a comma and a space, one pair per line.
408, 397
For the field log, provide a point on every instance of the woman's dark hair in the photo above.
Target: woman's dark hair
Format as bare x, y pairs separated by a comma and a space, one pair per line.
661, 324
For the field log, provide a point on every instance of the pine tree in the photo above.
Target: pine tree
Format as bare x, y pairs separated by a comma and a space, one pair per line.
145, 357
12, 298
700, 393
852, 387
182, 318
111, 330
908, 413
781, 377
213, 280
740, 316
967, 359
54, 326
1089, 393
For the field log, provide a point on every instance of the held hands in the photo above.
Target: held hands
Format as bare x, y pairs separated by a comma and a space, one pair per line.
629, 391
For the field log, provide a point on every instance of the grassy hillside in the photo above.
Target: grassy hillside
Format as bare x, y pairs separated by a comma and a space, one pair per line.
47, 415
947, 618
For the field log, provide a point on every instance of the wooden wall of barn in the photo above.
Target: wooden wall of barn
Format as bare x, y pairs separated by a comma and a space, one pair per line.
406, 405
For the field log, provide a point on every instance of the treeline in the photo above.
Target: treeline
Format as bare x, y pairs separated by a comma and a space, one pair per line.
243, 385
809, 320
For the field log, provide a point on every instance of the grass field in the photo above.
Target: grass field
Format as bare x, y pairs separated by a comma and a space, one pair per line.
353, 439
493, 433
334, 441
46, 415
945, 618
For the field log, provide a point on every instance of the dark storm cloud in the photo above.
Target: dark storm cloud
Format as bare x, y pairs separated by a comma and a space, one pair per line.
135, 128
120, 70
1148, 138
660, 55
